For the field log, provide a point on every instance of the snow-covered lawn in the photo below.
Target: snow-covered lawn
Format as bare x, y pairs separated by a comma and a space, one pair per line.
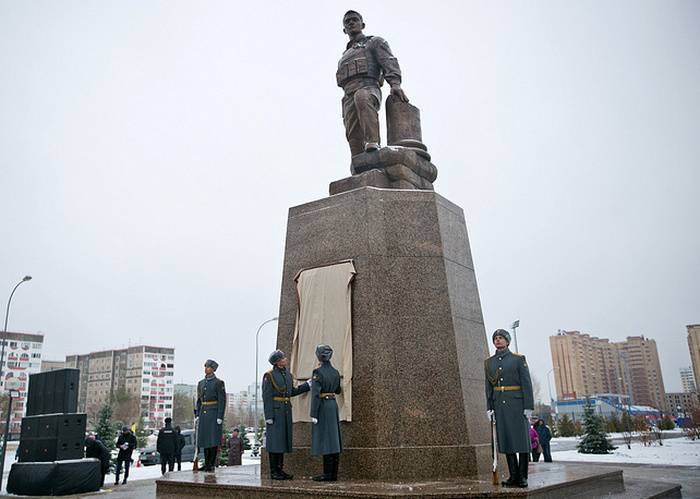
674, 452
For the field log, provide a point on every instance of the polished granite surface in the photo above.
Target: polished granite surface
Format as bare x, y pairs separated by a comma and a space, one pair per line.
546, 480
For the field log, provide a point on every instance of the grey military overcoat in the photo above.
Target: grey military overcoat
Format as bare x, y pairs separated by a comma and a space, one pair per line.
211, 405
325, 435
278, 388
508, 393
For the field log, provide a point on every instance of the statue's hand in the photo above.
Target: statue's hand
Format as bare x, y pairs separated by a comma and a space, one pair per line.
398, 92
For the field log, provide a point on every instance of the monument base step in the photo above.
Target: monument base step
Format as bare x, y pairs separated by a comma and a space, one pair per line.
549, 480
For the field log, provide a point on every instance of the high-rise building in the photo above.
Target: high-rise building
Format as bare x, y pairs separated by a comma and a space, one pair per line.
694, 348
587, 365
688, 380
22, 358
646, 382
146, 372
52, 365
682, 403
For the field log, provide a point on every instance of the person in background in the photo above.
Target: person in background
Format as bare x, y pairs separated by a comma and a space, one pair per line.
535, 444
235, 449
545, 435
126, 443
178, 449
94, 448
167, 445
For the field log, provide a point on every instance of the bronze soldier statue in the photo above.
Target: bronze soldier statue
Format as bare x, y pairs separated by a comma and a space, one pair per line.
362, 69
509, 398
211, 405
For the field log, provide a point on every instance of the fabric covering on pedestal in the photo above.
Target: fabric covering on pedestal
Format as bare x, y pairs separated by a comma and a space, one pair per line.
324, 316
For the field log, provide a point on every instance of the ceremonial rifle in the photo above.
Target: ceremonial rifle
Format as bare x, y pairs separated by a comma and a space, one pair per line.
493, 451
195, 462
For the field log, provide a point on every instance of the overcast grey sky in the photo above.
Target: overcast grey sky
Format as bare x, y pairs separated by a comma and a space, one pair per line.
149, 152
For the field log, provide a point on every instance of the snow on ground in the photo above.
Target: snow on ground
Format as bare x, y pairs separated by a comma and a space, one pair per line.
674, 452
135, 473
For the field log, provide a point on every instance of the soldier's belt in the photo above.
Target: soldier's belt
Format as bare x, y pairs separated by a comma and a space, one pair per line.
280, 399
210, 402
327, 395
511, 388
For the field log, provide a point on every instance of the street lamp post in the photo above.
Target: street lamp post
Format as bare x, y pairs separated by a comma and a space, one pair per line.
257, 335
2, 374
515, 325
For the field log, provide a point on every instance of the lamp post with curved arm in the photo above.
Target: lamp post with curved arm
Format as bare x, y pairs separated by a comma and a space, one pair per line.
2, 371
257, 335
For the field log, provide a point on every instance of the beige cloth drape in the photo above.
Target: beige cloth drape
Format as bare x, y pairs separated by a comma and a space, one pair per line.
323, 316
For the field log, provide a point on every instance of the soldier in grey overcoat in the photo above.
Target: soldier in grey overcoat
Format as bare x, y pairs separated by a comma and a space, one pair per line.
211, 405
509, 398
325, 432
277, 390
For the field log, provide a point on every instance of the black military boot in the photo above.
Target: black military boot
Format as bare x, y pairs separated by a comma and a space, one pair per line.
274, 467
280, 465
512, 460
522, 469
334, 469
327, 474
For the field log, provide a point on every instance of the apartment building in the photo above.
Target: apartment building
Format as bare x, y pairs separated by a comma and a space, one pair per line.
22, 358
587, 365
694, 348
146, 372
688, 380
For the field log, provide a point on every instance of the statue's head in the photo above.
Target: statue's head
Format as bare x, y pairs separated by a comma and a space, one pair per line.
352, 22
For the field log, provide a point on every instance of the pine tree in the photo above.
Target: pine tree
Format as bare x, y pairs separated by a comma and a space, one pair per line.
594, 440
223, 454
613, 423
667, 423
105, 428
244, 437
566, 427
141, 434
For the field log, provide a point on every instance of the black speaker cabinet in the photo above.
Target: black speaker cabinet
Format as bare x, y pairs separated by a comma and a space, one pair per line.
53, 425
41, 450
53, 392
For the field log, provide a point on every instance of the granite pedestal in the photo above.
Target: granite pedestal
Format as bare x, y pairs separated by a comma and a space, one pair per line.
547, 481
418, 333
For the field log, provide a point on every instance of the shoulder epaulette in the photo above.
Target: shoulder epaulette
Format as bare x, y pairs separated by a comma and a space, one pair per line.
517, 354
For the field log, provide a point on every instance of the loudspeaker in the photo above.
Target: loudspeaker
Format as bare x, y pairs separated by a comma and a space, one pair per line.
53, 425
41, 450
53, 392
71, 425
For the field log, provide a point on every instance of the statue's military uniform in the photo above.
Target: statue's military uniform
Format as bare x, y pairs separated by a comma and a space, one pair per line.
508, 394
211, 405
362, 69
278, 388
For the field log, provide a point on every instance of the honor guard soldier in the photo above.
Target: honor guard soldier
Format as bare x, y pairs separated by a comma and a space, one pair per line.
211, 405
509, 397
325, 432
277, 390
362, 69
